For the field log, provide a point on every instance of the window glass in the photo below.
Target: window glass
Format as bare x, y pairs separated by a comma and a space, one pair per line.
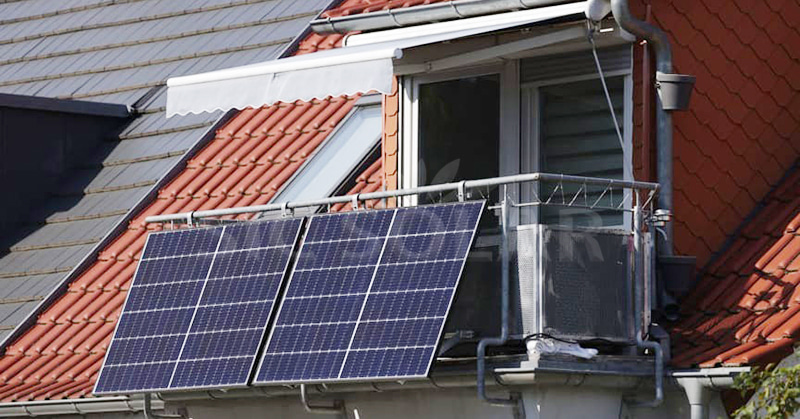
459, 132
577, 137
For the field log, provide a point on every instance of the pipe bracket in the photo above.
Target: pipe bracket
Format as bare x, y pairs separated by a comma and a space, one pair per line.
337, 408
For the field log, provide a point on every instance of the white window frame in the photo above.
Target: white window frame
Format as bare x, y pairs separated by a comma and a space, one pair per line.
509, 121
519, 133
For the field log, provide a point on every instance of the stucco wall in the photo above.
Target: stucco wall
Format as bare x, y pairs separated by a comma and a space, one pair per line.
539, 403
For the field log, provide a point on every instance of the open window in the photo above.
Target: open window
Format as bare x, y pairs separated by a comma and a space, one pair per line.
545, 114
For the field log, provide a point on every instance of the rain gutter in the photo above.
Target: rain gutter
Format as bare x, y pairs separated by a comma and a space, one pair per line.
699, 385
76, 406
466, 379
409, 16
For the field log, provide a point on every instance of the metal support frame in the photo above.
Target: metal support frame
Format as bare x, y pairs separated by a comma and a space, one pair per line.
491, 53
337, 408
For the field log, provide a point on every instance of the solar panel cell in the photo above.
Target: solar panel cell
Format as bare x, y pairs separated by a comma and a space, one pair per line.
165, 322
417, 276
406, 305
251, 288
173, 269
188, 242
151, 349
363, 225
322, 255
164, 295
326, 309
397, 333
345, 281
198, 308
369, 294
210, 373
401, 362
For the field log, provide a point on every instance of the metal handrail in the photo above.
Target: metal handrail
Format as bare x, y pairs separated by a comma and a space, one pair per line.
444, 187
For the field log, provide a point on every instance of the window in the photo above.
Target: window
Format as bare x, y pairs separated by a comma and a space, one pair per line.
547, 114
338, 156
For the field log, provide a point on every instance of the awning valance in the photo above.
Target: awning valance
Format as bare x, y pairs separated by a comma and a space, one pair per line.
367, 66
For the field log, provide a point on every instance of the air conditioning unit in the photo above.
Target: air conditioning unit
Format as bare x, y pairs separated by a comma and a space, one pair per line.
575, 283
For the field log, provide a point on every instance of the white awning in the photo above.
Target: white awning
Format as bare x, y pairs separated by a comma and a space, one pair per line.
361, 68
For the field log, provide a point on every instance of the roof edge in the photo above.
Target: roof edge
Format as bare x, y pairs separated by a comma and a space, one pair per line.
112, 234
81, 107
417, 15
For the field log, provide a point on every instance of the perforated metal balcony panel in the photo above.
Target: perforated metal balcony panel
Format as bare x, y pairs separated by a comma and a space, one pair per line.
198, 308
369, 295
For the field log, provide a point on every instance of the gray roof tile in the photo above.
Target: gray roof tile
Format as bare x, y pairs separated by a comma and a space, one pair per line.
118, 52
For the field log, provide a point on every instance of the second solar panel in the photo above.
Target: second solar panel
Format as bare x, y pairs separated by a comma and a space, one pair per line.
369, 295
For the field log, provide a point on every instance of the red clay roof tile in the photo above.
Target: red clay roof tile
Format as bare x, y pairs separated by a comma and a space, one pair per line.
759, 287
248, 160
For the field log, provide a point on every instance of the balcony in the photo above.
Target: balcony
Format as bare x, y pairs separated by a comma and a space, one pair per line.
560, 259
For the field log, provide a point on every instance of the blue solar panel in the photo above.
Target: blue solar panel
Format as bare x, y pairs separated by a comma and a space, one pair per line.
198, 308
369, 295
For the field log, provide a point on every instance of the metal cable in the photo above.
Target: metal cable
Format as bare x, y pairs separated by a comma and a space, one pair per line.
608, 100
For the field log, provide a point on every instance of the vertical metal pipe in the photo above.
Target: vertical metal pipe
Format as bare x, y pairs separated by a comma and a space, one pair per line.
505, 290
148, 410
659, 40
336, 409
647, 109
638, 269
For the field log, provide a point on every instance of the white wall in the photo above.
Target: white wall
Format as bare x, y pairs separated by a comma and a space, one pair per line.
539, 402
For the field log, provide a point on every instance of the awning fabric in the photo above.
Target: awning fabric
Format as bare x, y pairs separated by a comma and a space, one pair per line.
365, 67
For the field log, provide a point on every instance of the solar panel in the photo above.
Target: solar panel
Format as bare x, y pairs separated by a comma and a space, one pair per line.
369, 295
198, 308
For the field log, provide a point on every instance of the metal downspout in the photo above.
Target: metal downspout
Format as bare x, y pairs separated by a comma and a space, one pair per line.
638, 281
663, 51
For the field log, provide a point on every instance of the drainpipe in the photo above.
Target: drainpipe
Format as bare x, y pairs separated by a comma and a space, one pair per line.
505, 304
658, 40
638, 296
699, 386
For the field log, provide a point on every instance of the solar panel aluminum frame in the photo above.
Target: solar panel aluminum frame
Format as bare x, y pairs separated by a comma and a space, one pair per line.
273, 311
265, 344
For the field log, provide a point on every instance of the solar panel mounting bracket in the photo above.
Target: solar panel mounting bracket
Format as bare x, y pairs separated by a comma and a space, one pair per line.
354, 202
462, 191
455, 340
189, 218
286, 211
